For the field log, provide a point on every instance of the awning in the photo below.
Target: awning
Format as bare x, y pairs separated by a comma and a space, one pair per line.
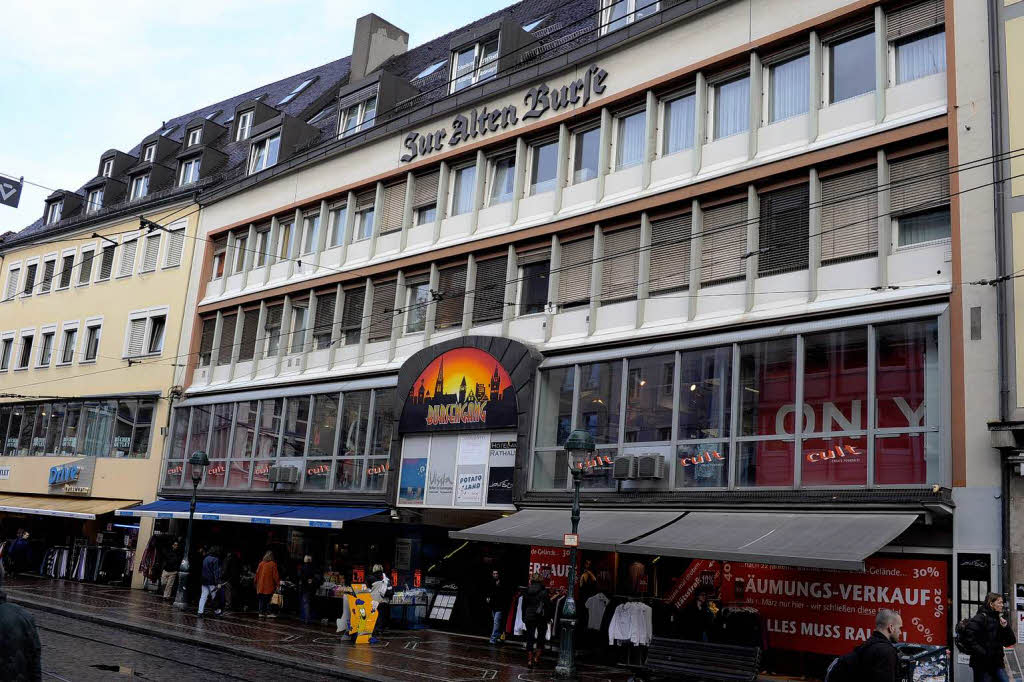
272, 514
54, 505
818, 540
598, 530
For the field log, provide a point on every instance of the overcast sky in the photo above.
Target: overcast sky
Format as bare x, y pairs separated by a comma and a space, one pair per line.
83, 76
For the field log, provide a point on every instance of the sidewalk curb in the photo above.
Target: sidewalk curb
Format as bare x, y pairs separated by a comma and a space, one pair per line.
243, 651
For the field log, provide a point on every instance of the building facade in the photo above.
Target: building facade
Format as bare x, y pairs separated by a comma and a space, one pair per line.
727, 239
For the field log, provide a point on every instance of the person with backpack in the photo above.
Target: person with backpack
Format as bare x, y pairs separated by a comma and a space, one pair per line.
536, 614
876, 660
983, 636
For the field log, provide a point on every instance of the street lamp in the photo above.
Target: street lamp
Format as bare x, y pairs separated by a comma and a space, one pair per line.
199, 462
579, 447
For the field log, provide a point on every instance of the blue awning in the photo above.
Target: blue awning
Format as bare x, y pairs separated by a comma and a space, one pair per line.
272, 514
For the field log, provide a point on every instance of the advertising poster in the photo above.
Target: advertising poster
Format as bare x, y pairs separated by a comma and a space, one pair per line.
413, 481
441, 471
829, 612
553, 565
464, 388
472, 469
501, 464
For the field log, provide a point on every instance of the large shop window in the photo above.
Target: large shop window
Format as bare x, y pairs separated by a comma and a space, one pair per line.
729, 413
90, 428
338, 441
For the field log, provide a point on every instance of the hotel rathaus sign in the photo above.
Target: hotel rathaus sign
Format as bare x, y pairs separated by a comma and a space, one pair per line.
478, 122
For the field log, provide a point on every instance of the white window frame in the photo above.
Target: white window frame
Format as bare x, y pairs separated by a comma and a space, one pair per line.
826, 67
10, 336
13, 271
768, 88
662, 128
149, 152
617, 119
409, 303
20, 348
59, 274
454, 186
43, 331
178, 225
244, 125
94, 200
219, 263
357, 227
240, 249
53, 211
133, 236
362, 123
139, 181
712, 98
108, 168
531, 151
66, 327
419, 211
521, 289
21, 288
629, 18
194, 136
311, 226
895, 231
90, 323
42, 272
890, 49
265, 142
77, 278
146, 314
287, 246
477, 48
492, 174
261, 249
189, 172
141, 258
333, 228
571, 153
149, 335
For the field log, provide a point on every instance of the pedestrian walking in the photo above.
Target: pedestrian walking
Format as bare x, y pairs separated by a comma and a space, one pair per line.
20, 559
309, 583
381, 591
876, 659
984, 636
267, 580
171, 565
536, 614
497, 596
20, 652
211, 580
231, 576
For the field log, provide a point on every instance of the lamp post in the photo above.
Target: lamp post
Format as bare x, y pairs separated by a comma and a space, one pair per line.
199, 461
580, 449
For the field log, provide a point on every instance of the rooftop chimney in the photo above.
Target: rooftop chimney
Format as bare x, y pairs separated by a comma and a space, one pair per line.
375, 41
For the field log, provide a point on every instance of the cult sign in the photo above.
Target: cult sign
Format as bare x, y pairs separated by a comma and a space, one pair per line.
538, 100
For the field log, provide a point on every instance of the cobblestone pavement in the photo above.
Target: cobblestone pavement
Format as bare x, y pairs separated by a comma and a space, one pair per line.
403, 656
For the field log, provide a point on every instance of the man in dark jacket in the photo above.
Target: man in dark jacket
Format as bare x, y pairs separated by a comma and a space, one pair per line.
878, 659
497, 597
231, 574
171, 565
985, 635
211, 579
20, 653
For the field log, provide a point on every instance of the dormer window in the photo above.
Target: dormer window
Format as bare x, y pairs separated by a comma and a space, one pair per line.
213, 114
244, 126
194, 136
474, 64
94, 201
264, 153
189, 172
149, 153
616, 14
295, 93
53, 212
534, 24
140, 187
359, 116
108, 168
429, 70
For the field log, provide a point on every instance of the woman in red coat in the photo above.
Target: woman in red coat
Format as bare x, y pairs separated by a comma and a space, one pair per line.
267, 580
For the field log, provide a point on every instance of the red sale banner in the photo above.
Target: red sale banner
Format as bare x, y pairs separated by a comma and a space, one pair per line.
701, 574
829, 612
553, 565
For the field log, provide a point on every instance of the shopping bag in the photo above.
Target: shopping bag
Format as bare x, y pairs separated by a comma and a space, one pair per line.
277, 600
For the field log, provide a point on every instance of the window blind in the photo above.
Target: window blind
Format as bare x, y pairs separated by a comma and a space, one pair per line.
137, 339
574, 273
382, 314
323, 323
357, 97
489, 290
393, 209
175, 244
85, 267
919, 182
106, 262
12, 283
364, 200
127, 264
915, 18
352, 314
227, 339
247, 346
849, 207
48, 267
724, 243
783, 230
451, 284
425, 189
150, 253
670, 254
621, 265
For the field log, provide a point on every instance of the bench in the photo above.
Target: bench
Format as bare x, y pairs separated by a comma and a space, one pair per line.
680, 659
